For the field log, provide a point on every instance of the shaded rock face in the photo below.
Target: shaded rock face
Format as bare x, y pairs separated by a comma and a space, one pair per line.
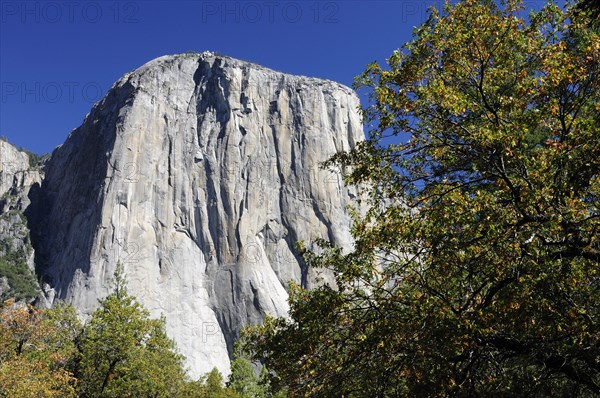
198, 173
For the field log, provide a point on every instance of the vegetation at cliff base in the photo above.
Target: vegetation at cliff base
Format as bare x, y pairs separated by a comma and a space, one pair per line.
476, 268
20, 282
119, 352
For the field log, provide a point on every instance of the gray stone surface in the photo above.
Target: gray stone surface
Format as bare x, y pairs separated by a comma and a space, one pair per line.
199, 173
14, 171
11, 161
17, 181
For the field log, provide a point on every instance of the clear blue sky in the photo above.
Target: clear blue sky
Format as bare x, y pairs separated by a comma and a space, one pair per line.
59, 57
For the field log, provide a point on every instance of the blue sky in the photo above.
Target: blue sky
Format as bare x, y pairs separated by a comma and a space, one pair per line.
59, 57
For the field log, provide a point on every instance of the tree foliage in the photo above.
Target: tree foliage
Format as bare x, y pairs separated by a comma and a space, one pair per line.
120, 352
243, 380
35, 352
475, 270
21, 280
125, 353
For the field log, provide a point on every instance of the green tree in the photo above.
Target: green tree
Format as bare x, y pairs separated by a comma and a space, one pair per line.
214, 382
125, 353
243, 380
214, 386
475, 270
13, 266
592, 8
268, 389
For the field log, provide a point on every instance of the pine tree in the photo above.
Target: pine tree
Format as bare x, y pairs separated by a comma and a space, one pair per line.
126, 353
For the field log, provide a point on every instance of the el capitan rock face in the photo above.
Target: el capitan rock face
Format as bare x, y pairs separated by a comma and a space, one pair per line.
198, 173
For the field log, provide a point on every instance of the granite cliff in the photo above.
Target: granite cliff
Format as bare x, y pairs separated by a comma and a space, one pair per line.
19, 179
198, 173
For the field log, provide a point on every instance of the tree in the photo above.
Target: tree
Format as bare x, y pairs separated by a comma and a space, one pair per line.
269, 390
21, 377
592, 7
214, 386
20, 279
475, 269
243, 380
125, 353
35, 351
214, 382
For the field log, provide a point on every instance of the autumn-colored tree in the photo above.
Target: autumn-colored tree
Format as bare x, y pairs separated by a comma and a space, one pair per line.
36, 351
476, 267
